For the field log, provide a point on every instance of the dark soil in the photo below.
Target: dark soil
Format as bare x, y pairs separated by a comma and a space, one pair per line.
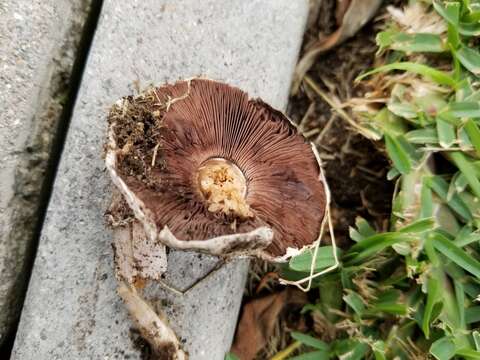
137, 126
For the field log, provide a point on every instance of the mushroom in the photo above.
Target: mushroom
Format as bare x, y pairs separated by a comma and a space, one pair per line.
200, 162
200, 166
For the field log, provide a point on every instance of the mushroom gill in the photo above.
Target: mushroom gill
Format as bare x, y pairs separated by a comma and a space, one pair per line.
208, 161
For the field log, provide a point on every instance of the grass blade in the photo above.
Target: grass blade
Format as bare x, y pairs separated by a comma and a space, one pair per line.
433, 297
303, 262
468, 170
450, 11
468, 354
446, 133
440, 187
437, 76
422, 136
469, 58
418, 42
310, 341
460, 296
419, 226
355, 302
463, 109
473, 133
455, 254
472, 314
373, 245
476, 339
399, 156
426, 200
314, 355
443, 348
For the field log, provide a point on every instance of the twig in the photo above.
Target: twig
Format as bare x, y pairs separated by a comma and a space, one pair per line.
343, 114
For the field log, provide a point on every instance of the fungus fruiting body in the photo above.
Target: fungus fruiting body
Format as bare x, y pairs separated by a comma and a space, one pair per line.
202, 160
198, 165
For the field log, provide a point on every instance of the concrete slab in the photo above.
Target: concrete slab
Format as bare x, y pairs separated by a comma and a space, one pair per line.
72, 310
38, 44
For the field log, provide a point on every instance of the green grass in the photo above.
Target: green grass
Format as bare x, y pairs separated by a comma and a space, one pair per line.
413, 292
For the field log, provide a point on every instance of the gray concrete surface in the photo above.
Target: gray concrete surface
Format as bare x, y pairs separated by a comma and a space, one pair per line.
72, 310
38, 43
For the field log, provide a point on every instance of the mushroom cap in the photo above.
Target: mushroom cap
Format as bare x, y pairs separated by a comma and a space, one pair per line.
206, 161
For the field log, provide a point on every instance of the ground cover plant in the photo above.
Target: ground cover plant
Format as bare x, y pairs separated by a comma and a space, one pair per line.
408, 281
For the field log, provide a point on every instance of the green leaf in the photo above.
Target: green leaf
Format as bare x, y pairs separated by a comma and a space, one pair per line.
363, 230
400, 158
437, 76
453, 37
310, 341
404, 110
314, 355
440, 187
471, 202
469, 58
461, 109
418, 42
231, 356
446, 133
472, 290
466, 91
433, 297
402, 153
473, 133
468, 170
303, 261
469, 29
350, 349
389, 122
388, 307
463, 140
392, 174
450, 11
455, 254
355, 302
426, 200
375, 244
467, 236
330, 295
422, 136
378, 348
476, 339
468, 354
443, 348
458, 184
460, 296
453, 188
472, 314
419, 226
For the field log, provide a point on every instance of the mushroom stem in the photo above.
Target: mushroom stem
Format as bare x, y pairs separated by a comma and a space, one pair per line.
156, 331
243, 243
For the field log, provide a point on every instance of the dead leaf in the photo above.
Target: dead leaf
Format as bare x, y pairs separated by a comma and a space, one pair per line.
264, 281
341, 9
313, 11
258, 321
358, 13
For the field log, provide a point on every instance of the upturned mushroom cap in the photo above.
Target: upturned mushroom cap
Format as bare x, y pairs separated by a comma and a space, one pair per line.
203, 162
